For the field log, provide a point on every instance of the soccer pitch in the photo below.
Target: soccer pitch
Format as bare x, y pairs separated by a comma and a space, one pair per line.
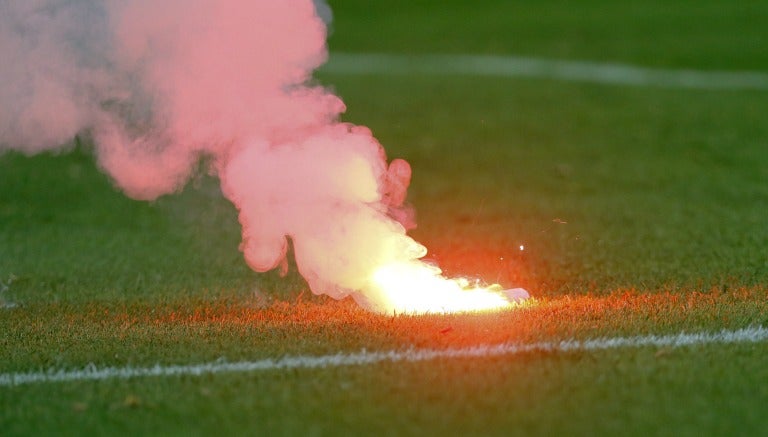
641, 208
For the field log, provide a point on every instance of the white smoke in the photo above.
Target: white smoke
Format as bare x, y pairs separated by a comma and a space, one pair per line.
160, 84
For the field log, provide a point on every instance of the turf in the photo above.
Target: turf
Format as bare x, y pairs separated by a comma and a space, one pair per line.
707, 34
642, 210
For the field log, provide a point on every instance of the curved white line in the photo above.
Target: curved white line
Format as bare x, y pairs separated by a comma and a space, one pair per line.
516, 66
93, 373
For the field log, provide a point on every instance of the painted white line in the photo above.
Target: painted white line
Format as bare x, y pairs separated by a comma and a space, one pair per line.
514, 66
93, 373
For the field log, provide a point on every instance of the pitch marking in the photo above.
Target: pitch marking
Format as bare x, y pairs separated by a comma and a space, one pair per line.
516, 66
93, 373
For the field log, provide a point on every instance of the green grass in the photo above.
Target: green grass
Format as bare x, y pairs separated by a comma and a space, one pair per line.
534, 394
680, 391
642, 210
657, 187
708, 34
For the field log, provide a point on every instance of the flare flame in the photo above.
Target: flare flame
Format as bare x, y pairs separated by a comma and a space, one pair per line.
419, 288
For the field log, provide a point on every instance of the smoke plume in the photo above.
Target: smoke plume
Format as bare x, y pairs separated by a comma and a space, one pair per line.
158, 85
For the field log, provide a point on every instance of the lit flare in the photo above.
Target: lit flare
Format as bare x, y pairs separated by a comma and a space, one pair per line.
415, 287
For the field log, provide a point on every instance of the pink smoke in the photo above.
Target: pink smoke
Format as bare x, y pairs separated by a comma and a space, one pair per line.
158, 85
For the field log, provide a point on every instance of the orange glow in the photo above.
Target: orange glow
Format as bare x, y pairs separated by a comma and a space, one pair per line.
418, 288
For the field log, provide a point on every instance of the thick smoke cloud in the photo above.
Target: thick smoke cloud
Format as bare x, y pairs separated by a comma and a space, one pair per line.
158, 85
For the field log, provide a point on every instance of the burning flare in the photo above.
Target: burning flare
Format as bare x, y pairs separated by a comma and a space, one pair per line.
418, 288
157, 86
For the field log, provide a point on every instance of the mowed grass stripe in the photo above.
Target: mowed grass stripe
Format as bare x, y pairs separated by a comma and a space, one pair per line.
92, 373
517, 66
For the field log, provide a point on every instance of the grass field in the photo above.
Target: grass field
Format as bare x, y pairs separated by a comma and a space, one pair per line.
642, 211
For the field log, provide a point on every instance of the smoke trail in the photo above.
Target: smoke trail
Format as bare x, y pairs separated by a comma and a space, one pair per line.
159, 85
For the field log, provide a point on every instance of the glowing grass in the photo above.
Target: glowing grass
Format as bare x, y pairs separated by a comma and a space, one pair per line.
496, 390
145, 333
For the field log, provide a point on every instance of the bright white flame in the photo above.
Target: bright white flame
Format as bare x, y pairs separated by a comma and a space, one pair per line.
414, 287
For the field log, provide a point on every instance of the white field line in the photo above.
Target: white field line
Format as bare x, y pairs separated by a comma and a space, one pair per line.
93, 373
515, 66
